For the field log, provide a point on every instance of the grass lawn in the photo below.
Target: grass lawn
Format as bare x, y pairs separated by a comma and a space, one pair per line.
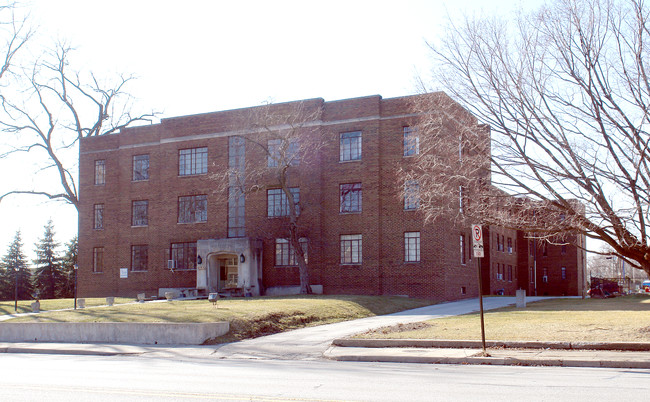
248, 317
622, 319
24, 306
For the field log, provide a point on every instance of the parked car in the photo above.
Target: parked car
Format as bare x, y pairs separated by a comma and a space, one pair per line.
645, 286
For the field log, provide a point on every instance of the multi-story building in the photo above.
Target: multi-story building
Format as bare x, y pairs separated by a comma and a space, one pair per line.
155, 215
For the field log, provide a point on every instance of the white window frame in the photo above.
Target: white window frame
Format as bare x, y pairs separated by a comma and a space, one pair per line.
351, 249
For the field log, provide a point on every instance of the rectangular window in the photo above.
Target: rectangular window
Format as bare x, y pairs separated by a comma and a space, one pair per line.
284, 252
545, 275
564, 249
236, 181
351, 249
192, 208
463, 256
499, 274
563, 272
350, 146
411, 141
100, 172
412, 246
411, 195
531, 274
98, 259
140, 167
184, 255
140, 213
139, 257
350, 195
283, 152
509, 273
236, 212
531, 248
192, 161
278, 204
510, 245
544, 249
98, 216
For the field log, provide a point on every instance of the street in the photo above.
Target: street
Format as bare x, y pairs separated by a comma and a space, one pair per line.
42, 377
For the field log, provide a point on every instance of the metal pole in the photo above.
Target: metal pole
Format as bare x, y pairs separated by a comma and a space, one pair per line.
76, 267
480, 300
535, 263
16, 290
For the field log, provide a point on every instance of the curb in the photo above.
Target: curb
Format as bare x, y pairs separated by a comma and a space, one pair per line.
464, 344
80, 352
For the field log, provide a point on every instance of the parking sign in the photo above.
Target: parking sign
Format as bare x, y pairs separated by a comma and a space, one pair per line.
477, 241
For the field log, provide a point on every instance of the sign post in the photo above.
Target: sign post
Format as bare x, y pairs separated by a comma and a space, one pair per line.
477, 245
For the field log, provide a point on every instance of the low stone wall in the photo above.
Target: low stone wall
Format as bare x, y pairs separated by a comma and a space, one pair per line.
291, 290
113, 332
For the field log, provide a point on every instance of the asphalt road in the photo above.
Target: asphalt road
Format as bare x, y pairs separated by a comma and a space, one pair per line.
138, 378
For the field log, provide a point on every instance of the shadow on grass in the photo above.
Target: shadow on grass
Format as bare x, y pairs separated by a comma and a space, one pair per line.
635, 302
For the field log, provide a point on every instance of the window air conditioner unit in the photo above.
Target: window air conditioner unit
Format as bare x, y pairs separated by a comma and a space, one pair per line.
544, 278
171, 264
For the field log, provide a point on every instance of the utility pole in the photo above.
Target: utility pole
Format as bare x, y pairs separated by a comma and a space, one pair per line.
477, 245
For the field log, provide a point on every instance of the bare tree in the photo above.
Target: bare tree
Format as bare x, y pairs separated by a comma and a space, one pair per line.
58, 108
290, 141
565, 92
14, 34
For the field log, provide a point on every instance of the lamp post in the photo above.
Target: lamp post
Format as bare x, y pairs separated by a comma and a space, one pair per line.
16, 289
75, 267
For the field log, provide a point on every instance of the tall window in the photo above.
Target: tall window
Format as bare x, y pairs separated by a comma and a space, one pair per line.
545, 275
100, 172
236, 197
411, 195
98, 218
463, 255
98, 259
279, 155
192, 161
277, 203
412, 246
510, 245
531, 249
285, 254
140, 213
140, 167
139, 257
411, 141
563, 249
531, 274
184, 255
563, 272
509, 273
350, 146
350, 195
193, 208
351, 249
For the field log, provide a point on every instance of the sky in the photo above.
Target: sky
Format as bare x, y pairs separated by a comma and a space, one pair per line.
194, 57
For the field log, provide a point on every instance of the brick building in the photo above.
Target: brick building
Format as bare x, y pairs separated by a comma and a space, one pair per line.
153, 216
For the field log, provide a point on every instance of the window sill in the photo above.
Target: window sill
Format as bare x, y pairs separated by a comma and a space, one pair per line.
98, 229
286, 266
97, 272
349, 161
410, 209
139, 226
190, 223
139, 181
412, 262
192, 175
139, 270
351, 264
179, 269
350, 213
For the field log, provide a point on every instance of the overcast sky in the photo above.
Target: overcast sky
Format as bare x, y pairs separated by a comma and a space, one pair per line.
201, 56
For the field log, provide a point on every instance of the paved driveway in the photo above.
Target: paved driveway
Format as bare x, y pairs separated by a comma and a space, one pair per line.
310, 343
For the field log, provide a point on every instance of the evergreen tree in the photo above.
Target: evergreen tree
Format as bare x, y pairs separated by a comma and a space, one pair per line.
14, 268
48, 277
68, 262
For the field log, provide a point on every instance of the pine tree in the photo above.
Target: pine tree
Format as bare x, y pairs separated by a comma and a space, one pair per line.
14, 269
48, 277
68, 262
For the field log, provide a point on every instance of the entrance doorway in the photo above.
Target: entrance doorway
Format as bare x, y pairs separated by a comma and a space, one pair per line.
223, 272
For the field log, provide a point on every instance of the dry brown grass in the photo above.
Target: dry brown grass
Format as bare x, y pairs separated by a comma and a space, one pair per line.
622, 319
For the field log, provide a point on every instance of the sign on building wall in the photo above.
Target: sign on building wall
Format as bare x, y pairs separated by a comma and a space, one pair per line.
477, 243
124, 273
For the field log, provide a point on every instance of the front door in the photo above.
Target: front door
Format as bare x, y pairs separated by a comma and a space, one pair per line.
223, 272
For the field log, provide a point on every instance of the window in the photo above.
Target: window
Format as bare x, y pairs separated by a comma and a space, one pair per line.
412, 246
509, 273
140, 167
499, 274
236, 197
544, 249
98, 216
285, 254
545, 275
499, 245
531, 274
510, 245
100, 172
192, 161
350, 197
463, 256
351, 249
463, 290
277, 203
531, 248
461, 200
563, 272
98, 259
411, 195
283, 152
192, 208
140, 213
564, 249
139, 257
411, 141
184, 255
350, 146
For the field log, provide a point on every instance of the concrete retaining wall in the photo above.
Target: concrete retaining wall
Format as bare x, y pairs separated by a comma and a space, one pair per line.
113, 332
291, 290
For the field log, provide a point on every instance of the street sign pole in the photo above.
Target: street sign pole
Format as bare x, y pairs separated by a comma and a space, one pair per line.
477, 237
